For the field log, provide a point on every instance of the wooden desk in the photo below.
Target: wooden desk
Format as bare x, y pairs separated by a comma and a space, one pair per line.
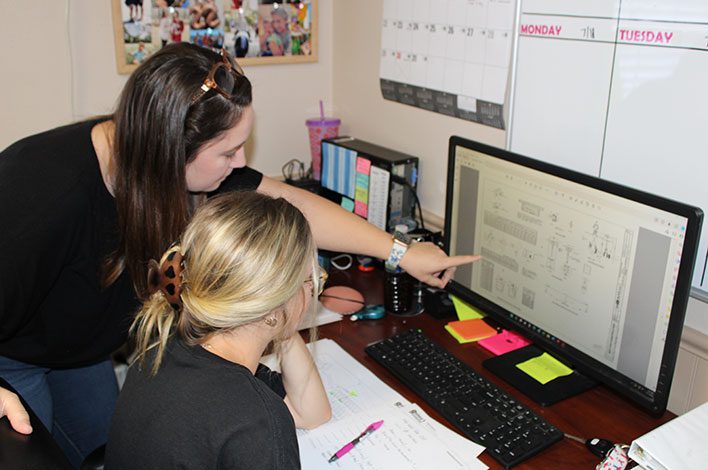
596, 413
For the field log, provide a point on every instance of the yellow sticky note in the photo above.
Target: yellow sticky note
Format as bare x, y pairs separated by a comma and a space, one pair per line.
544, 368
464, 310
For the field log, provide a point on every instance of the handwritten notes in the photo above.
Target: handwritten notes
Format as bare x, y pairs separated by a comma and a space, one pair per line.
409, 438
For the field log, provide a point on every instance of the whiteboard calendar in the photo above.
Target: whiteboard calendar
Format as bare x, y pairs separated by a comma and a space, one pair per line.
448, 56
615, 89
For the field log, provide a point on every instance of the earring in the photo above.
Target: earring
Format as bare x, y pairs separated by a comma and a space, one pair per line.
271, 321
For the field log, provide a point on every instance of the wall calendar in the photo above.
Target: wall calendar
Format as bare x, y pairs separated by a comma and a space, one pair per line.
448, 56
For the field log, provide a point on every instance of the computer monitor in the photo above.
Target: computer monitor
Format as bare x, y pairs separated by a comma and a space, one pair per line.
594, 273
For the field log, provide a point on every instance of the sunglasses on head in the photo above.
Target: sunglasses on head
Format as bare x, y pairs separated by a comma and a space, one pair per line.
221, 78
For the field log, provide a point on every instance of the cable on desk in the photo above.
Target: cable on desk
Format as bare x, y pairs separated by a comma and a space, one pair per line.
344, 266
294, 169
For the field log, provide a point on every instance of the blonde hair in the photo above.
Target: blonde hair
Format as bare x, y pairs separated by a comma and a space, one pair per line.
245, 255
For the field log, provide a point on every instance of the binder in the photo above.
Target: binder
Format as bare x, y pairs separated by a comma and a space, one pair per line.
679, 444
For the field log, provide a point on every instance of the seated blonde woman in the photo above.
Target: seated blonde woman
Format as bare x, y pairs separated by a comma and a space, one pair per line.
239, 282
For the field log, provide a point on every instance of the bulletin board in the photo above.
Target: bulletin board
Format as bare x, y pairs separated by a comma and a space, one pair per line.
614, 88
253, 31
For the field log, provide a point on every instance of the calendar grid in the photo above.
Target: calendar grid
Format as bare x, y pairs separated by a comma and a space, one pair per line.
450, 57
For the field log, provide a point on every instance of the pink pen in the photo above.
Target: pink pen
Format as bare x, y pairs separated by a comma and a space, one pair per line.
349, 446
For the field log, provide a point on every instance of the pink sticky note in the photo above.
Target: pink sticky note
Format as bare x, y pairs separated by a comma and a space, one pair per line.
363, 165
361, 209
504, 342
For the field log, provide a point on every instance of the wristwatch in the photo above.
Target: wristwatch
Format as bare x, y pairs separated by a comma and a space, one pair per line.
401, 241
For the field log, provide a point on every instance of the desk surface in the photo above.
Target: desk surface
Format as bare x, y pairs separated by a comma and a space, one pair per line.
598, 412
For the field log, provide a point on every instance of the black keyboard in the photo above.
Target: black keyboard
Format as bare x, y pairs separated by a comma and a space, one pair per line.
482, 412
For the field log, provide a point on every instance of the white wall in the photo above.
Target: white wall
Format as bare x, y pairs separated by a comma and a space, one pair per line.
59, 66
697, 315
35, 74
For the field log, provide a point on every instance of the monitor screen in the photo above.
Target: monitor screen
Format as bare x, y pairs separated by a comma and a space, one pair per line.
593, 272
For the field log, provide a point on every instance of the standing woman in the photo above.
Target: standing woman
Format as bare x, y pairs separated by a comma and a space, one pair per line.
85, 206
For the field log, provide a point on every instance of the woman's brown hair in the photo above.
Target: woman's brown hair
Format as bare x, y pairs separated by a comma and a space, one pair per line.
159, 130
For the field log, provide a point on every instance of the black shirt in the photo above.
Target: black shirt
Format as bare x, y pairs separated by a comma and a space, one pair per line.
201, 411
58, 222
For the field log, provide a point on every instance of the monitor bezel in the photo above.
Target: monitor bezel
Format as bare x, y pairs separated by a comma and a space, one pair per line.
654, 403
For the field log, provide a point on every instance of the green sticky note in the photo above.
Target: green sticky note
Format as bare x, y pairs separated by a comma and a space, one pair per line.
347, 204
464, 310
544, 368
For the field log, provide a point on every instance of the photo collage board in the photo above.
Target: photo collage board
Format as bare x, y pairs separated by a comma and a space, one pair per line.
257, 31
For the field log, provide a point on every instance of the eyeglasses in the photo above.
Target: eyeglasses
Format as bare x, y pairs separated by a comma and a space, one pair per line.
322, 276
222, 77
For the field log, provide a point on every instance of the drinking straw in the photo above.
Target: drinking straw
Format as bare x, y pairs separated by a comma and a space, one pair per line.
321, 110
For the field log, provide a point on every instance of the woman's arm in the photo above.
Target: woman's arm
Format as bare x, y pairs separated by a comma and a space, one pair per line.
305, 395
336, 229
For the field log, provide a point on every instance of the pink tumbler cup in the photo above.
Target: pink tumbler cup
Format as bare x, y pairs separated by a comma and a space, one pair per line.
320, 128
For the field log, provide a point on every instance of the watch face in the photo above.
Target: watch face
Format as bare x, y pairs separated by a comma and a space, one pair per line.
404, 237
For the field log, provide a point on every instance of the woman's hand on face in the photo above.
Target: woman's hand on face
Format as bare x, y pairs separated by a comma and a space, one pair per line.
11, 407
425, 261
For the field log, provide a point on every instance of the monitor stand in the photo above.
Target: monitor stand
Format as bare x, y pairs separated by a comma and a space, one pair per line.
552, 392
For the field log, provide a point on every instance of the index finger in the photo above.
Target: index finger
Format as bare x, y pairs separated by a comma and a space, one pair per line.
459, 260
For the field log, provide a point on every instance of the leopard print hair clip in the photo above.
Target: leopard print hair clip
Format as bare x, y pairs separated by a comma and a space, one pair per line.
167, 277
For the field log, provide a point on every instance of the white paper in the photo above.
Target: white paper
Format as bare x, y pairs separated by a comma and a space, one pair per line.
408, 439
322, 317
351, 387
